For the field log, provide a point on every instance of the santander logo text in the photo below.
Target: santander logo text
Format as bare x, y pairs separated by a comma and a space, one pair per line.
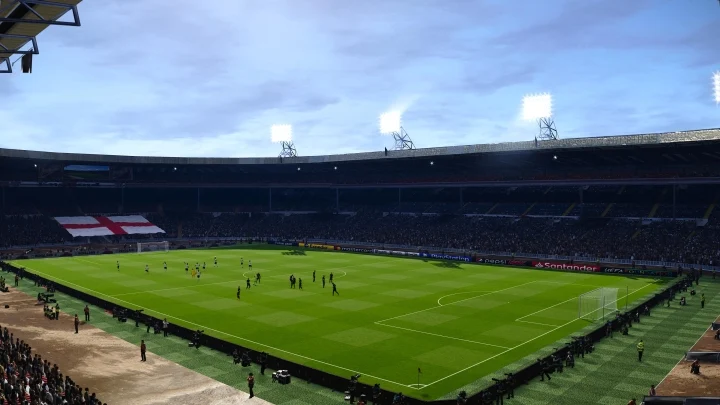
563, 266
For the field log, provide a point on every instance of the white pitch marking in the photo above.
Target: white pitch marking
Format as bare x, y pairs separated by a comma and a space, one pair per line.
520, 345
537, 323
545, 309
218, 283
683, 357
219, 331
456, 302
464, 292
443, 336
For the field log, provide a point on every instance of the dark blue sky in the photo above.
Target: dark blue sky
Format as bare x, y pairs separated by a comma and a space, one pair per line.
210, 78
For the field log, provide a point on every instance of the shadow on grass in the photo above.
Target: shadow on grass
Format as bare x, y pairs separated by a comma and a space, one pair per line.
297, 252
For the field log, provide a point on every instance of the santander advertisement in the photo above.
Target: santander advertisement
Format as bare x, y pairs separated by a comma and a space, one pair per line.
590, 268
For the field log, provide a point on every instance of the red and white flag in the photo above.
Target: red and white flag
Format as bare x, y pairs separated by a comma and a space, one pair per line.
105, 226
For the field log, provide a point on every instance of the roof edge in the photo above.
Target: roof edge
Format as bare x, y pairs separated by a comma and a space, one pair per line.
703, 135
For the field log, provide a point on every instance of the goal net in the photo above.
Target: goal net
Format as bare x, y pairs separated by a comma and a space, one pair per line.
153, 247
598, 304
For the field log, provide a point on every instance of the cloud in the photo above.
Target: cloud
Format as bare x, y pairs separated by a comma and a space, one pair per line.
200, 79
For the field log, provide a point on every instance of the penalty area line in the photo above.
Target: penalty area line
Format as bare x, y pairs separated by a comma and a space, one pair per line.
455, 302
97, 293
538, 323
520, 345
442, 336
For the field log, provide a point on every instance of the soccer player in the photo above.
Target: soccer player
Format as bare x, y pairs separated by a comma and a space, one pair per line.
291, 281
331, 277
323, 280
241, 262
335, 291
300, 283
117, 263
187, 265
247, 284
313, 276
203, 266
147, 269
192, 273
238, 292
165, 265
257, 279
215, 259
250, 264
198, 275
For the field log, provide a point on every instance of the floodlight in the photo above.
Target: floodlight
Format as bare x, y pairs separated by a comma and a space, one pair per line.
536, 106
390, 122
716, 86
281, 133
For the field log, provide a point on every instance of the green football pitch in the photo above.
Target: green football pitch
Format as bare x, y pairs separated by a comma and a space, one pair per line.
394, 316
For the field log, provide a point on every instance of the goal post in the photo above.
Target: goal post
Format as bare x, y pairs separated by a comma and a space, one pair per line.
144, 247
598, 304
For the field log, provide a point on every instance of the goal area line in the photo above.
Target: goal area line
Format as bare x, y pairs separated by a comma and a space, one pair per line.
412, 386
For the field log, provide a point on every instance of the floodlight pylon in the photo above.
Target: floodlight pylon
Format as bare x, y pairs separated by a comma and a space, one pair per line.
282, 134
538, 107
716, 86
391, 124
548, 132
288, 149
402, 140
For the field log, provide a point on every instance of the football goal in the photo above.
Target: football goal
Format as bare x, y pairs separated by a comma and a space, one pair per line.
598, 304
143, 247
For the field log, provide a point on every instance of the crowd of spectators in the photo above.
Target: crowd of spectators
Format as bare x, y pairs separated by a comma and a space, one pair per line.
30, 230
28, 379
665, 241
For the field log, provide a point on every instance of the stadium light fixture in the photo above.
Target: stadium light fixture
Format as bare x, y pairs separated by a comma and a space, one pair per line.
391, 124
538, 107
716, 86
282, 134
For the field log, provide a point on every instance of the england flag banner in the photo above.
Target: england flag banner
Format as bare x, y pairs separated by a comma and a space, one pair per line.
106, 226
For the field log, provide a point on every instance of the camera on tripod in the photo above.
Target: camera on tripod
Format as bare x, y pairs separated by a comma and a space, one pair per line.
196, 339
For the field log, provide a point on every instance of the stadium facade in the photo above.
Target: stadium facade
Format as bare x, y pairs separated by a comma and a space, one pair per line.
624, 204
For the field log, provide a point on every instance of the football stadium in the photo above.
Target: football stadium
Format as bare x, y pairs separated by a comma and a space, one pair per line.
547, 271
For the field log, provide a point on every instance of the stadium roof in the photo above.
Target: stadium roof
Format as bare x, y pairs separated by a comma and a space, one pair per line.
685, 138
22, 20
